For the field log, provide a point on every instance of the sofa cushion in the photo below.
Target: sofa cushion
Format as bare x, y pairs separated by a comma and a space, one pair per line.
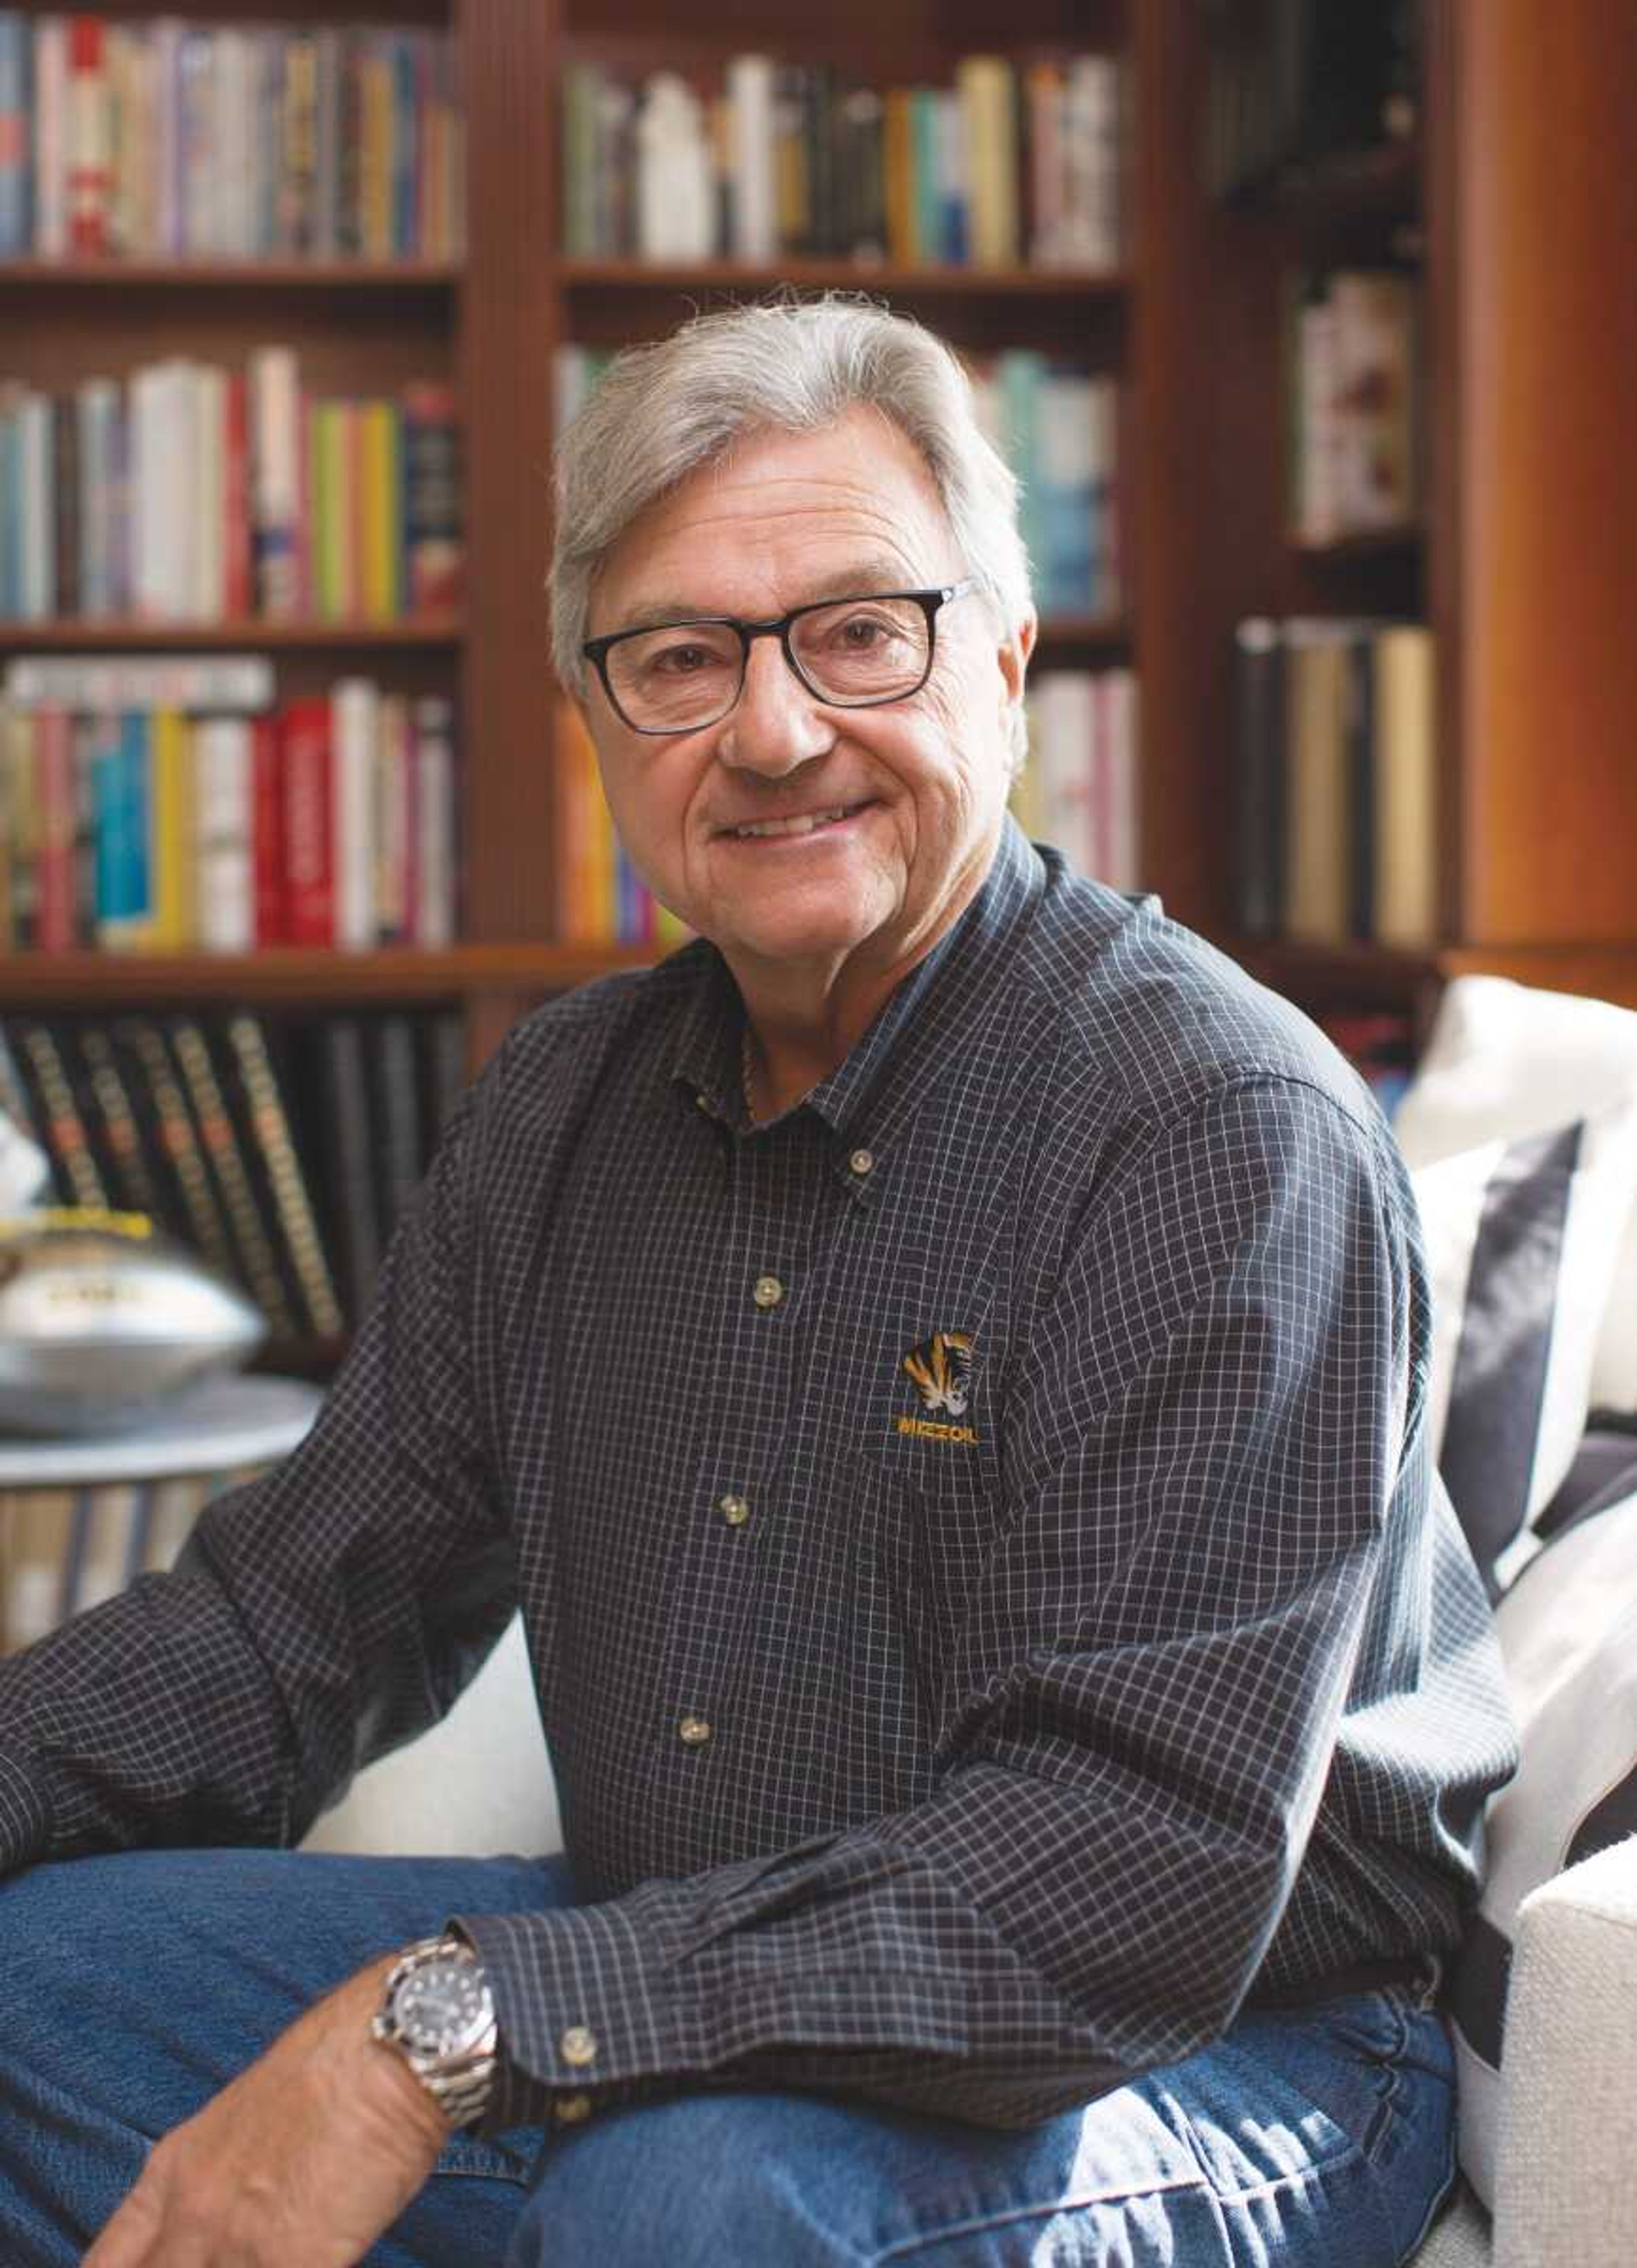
1505, 1059
1569, 1635
1520, 1262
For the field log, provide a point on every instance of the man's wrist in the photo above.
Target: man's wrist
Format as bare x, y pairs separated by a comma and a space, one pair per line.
437, 2018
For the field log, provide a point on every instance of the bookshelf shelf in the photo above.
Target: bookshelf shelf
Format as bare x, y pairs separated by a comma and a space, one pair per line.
434, 630
285, 974
1368, 543
390, 276
588, 276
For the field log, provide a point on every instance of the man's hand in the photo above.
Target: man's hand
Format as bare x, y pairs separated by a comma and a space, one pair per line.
306, 2157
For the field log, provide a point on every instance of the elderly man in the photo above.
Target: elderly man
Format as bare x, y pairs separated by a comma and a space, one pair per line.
940, 1363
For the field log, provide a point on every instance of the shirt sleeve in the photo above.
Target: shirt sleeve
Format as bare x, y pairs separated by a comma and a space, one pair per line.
317, 1618
1205, 1441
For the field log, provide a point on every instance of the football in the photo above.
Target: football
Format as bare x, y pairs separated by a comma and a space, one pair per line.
102, 1317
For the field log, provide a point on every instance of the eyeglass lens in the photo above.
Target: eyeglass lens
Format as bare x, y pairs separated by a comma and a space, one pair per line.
689, 673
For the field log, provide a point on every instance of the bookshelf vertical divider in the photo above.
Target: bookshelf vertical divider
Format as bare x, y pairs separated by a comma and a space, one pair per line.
509, 316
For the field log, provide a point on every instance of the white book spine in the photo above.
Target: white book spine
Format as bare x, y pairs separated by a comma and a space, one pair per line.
274, 419
200, 201
235, 145
674, 197
236, 681
51, 138
435, 826
210, 431
39, 592
172, 497
222, 746
355, 726
756, 197
167, 137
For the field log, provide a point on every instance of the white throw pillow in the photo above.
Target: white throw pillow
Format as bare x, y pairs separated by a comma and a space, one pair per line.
1568, 1634
1505, 1059
1520, 1261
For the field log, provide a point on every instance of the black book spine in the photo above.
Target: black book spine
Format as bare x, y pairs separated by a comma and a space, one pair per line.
1359, 728
1259, 827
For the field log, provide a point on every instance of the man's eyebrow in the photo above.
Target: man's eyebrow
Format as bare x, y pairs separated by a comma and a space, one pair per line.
856, 580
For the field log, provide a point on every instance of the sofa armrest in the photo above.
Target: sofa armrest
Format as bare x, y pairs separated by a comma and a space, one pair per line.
1564, 2192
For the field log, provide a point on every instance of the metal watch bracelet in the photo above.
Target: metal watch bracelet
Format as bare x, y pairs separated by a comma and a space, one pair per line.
459, 2078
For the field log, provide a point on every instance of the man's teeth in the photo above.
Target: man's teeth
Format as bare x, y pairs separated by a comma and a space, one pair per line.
795, 826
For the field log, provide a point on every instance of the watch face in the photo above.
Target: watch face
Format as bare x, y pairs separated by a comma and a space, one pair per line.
443, 2006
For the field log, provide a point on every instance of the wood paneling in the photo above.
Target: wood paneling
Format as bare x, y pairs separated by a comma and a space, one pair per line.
1547, 307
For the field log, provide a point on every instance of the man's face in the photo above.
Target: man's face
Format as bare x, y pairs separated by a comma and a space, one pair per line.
786, 520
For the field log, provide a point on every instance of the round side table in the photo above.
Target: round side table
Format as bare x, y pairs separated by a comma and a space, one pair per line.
214, 1427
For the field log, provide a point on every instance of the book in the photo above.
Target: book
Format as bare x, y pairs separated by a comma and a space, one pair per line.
255, 1266
1259, 822
130, 1174
308, 815
257, 1091
199, 1219
1317, 882
57, 1121
352, 1161
1405, 896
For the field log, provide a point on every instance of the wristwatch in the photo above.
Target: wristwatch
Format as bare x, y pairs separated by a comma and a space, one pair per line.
438, 2013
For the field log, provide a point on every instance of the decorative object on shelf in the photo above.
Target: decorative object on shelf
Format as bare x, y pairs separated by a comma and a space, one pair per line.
101, 1317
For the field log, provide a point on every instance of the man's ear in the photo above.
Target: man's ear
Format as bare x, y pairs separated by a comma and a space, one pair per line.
1012, 654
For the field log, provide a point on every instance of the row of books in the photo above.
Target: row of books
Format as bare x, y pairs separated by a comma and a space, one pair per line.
171, 139
1078, 790
168, 807
601, 899
1058, 429
1056, 425
63, 1551
1352, 403
1290, 84
195, 492
771, 159
1335, 789
282, 1153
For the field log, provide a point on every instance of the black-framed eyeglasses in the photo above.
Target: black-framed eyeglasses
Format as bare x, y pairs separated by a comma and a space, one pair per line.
849, 653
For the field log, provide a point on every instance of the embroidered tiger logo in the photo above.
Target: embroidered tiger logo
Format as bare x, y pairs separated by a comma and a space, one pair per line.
941, 1368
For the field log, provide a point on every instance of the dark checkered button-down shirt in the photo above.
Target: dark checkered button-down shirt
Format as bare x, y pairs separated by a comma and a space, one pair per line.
989, 1601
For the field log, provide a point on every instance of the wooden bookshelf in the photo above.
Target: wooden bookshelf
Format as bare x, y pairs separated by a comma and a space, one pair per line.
1524, 562
1523, 565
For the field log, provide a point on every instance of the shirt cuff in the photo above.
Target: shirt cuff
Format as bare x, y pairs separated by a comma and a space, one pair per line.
587, 2010
24, 1816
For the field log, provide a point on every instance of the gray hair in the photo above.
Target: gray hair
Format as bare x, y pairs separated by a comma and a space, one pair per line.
791, 365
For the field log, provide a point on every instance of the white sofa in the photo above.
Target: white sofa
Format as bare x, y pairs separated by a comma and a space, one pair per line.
1565, 2162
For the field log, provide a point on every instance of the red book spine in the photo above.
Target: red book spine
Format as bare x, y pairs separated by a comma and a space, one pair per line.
237, 540
266, 832
55, 783
309, 823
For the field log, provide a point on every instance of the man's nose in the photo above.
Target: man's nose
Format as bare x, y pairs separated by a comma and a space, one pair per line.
775, 725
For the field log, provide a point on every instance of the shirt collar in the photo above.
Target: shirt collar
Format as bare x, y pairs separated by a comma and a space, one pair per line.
869, 1099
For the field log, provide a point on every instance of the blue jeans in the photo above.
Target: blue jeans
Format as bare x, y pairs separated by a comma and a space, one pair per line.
132, 1987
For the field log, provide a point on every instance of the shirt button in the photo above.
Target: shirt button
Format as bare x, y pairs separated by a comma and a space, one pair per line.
862, 1161
769, 1291
578, 2045
569, 2110
694, 1732
734, 1509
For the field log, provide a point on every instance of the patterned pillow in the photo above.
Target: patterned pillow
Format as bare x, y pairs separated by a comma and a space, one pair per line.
1569, 1633
1520, 1242
1504, 1059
